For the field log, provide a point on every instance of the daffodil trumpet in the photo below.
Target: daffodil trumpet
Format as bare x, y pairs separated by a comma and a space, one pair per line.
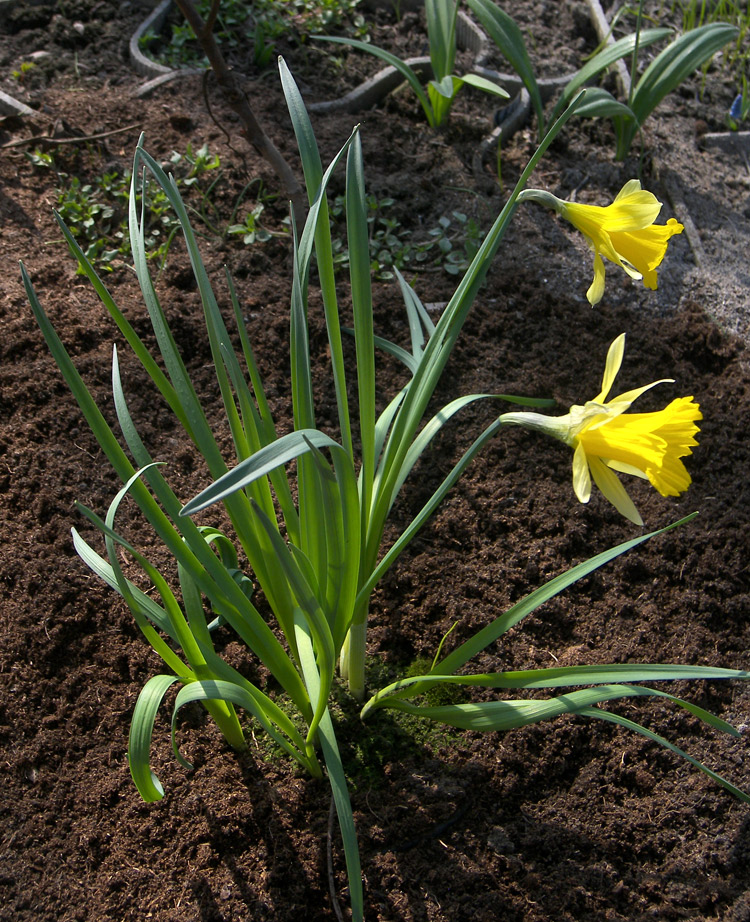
624, 232
606, 439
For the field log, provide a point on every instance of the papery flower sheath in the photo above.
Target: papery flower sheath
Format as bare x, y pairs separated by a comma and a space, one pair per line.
606, 439
624, 232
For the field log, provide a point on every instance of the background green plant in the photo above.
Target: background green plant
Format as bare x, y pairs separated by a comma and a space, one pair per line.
442, 90
261, 22
665, 73
696, 13
451, 244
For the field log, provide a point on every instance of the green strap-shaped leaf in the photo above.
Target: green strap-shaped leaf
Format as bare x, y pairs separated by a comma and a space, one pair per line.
256, 703
667, 71
673, 65
453, 662
314, 180
487, 86
560, 677
361, 289
141, 731
602, 104
441, 18
336, 776
507, 36
508, 715
401, 66
603, 714
282, 451
619, 49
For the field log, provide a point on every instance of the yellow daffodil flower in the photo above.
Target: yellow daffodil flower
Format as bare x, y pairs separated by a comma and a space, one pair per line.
606, 439
624, 232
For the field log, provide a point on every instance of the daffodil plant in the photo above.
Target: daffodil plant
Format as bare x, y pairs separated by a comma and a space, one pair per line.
313, 542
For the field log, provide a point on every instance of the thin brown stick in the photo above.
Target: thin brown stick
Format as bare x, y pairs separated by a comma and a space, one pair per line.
45, 139
235, 96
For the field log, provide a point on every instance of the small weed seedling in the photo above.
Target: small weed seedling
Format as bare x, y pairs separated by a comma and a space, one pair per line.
97, 210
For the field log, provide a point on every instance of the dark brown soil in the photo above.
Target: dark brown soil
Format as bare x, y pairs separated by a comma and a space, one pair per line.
569, 821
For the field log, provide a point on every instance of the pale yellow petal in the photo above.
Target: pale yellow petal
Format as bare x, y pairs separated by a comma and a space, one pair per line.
581, 478
613, 490
634, 213
630, 396
596, 289
631, 186
622, 468
615, 354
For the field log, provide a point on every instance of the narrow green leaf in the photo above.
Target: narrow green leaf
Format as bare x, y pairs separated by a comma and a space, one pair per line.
599, 103
559, 677
673, 65
600, 62
336, 775
282, 451
446, 87
359, 272
315, 182
141, 731
667, 71
487, 86
251, 700
534, 599
507, 36
441, 18
401, 66
602, 714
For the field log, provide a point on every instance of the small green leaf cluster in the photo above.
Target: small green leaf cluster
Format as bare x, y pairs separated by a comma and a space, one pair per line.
19, 74
262, 22
251, 230
452, 244
96, 211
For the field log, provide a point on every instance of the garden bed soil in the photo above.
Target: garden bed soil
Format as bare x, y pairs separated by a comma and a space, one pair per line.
570, 820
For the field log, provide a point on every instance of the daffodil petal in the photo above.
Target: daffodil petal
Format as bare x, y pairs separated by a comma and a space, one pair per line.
630, 187
615, 354
633, 214
645, 249
613, 490
596, 289
631, 396
581, 478
623, 468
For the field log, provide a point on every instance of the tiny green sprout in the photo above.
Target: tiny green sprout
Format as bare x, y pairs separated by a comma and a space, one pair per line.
24, 69
252, 231
43, 160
